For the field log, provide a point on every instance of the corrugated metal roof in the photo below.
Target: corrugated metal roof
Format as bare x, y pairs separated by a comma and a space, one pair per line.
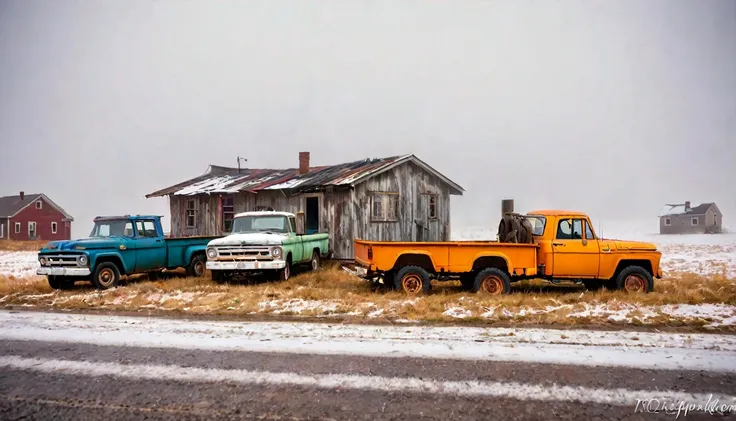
231, 180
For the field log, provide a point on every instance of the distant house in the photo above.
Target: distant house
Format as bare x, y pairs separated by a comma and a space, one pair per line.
687, 219
33, 217
398, 198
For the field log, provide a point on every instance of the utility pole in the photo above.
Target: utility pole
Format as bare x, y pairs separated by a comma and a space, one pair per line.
239, 159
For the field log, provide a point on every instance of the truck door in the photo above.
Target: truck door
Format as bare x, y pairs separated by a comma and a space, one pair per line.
574, 255
150, 251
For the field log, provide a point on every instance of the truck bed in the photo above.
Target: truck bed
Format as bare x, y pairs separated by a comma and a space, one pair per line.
178, 249
447, 257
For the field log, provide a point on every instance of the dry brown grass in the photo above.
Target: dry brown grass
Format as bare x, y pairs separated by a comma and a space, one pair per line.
334, 292
13, 245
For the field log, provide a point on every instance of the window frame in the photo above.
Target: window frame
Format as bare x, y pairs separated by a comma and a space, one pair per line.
17, 227
386, 199
54, 227
39, 204
190, 212
230, 212
432, 203
694, 221
35, 229
667, 222
572, 221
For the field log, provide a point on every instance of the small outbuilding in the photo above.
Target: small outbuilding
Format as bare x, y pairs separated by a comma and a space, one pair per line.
704, 218
398, 198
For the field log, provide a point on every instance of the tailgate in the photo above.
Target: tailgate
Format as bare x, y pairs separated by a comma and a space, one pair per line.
363, 253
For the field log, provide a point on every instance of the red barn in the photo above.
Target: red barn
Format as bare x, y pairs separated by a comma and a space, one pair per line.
33, 217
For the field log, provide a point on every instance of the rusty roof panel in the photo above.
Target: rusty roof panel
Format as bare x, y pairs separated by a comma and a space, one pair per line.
231, 180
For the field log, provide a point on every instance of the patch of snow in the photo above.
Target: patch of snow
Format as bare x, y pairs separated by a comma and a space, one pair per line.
675, 351
18, 264
297, 305
458, 312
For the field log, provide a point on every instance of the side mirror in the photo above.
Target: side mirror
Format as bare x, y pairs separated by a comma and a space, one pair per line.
300, 223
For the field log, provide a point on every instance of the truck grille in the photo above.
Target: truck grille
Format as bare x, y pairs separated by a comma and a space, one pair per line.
61, 260
244, 253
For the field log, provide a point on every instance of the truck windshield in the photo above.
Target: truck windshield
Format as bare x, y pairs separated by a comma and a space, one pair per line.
248, 224
112, 228
538, 223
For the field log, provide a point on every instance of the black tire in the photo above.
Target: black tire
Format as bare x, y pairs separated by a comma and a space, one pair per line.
285, 273
197, 267
60, 282
492, 281
106, 276
635, 279
314, 263
413, 280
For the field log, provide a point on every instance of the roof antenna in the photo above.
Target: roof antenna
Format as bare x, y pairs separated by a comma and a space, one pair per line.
239, 159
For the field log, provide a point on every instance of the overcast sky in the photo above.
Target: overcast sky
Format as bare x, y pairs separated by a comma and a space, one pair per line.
610, 107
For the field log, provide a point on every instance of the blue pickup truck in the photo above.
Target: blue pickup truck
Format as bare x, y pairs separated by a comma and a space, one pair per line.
120, 245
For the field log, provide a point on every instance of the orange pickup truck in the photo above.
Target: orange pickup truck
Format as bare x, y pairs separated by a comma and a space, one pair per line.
562, 247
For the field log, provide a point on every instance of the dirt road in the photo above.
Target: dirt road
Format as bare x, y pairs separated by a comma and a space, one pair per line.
72, 367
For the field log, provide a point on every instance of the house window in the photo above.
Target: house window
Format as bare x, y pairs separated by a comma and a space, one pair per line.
17, 227
31, 230
667, 222
385, 206
38, 204
694, 220
53, 227
432, 211
228, 212
190, 213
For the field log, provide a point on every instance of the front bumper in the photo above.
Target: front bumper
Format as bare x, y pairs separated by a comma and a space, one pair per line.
62, 271
245, 265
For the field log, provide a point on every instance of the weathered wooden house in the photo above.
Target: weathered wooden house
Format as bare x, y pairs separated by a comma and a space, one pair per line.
399, 198
687, 219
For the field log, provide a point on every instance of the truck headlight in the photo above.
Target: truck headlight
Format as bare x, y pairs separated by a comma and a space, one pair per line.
42, 261
211, 253
276, 252
82, 260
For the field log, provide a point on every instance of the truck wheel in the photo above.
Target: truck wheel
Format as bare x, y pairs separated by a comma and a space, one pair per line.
314, 263
106, 276
197, 266
285, 273
60, 282
635, 279
492, 281
413, 280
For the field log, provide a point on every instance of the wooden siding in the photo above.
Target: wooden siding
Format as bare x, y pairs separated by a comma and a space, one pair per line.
345, 214
682, 223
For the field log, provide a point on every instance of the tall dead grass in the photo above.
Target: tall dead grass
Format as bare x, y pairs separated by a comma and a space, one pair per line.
13, 245
335, 292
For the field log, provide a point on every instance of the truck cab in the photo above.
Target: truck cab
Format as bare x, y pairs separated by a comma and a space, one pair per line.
117, 246
570, 249
265, 241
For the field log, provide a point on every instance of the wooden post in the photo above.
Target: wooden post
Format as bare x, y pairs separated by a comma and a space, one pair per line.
507, 206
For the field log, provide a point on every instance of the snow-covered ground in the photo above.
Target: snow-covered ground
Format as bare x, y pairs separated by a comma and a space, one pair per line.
19, 264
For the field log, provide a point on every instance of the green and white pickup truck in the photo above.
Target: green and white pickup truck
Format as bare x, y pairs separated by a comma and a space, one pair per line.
265, 241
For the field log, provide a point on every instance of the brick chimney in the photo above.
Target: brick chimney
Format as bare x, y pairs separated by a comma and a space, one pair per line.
303, 162
22, 195
687, 206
